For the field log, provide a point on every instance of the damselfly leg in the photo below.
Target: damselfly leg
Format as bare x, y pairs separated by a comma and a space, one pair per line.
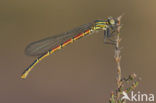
108, 33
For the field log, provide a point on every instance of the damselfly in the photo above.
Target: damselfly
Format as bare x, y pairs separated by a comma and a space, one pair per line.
43, 48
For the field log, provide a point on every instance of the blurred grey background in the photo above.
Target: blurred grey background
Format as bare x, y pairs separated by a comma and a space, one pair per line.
85, 71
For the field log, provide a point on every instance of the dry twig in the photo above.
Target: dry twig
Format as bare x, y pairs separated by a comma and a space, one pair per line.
132, 80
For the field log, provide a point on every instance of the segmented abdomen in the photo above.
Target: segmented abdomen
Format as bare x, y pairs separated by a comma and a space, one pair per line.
41, 47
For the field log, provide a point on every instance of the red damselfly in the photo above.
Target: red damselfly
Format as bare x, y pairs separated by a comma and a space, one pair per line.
43, 48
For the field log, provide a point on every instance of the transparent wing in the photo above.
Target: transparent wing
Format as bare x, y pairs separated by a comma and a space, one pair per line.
40, 47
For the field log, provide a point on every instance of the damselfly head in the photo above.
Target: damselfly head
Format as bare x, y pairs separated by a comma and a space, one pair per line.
111, 21
114, 23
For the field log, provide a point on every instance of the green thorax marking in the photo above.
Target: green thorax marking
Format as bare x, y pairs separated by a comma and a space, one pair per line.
100, 25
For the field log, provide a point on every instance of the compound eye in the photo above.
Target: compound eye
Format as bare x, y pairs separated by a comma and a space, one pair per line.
112, 21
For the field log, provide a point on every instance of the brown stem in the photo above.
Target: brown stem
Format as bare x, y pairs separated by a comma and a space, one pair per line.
118, 59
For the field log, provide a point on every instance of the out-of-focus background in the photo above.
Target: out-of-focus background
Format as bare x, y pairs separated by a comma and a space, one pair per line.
85, 71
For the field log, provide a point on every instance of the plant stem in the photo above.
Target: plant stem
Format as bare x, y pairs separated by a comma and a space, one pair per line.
118, 59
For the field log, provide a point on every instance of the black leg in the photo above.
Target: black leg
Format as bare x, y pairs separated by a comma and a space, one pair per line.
107, 35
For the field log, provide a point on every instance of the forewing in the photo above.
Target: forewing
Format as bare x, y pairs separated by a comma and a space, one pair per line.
41, 47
